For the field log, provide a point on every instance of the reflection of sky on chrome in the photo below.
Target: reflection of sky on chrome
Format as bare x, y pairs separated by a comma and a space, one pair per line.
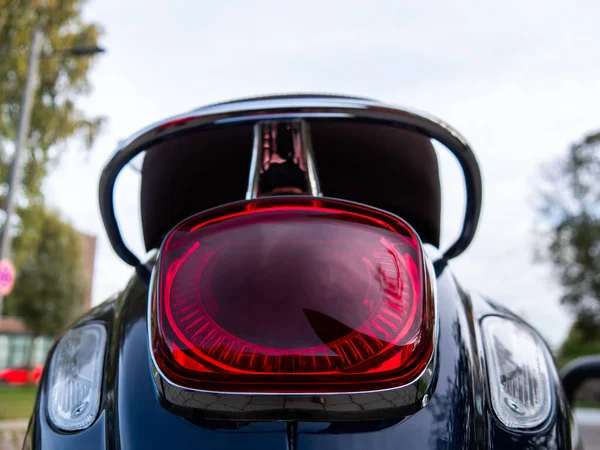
520, 81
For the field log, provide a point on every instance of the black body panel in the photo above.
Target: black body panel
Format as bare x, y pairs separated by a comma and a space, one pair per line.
458, 415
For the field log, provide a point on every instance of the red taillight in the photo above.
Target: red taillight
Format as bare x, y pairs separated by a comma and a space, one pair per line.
293, 296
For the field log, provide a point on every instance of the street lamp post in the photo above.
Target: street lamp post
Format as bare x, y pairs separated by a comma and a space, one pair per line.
16, 172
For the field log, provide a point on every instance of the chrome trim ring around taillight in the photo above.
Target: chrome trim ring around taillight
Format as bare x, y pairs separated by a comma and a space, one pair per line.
397, 402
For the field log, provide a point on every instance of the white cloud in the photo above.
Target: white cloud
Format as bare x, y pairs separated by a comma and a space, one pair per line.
519, 80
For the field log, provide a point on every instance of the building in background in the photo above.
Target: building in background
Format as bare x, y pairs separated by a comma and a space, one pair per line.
15, 338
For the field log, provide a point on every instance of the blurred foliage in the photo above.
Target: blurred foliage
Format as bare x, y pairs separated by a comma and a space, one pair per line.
46, 250
570, 207
55, 118
577, 344
50, 285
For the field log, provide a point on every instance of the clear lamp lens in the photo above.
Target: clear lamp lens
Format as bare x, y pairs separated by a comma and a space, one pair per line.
518, 373
75, 377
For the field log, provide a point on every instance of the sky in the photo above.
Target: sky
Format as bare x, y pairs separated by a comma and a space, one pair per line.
521, 80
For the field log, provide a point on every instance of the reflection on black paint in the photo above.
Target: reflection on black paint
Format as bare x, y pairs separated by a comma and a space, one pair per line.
547, 440
448, 409
364, 426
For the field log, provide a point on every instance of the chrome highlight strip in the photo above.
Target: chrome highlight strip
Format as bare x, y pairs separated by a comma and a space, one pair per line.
252, 190
391, 403
309, 155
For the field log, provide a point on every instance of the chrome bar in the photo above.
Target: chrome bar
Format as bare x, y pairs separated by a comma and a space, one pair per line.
255, 165
311, 170
277, 168
293, 108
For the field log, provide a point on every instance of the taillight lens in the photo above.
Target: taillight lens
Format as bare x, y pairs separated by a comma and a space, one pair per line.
292, 296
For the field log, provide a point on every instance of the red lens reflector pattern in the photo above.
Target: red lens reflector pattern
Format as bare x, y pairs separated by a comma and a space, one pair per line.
292, 295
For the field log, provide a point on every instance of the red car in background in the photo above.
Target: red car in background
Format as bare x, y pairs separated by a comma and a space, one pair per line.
23, 375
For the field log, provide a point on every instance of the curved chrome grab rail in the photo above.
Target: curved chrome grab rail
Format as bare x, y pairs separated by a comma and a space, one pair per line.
292, 108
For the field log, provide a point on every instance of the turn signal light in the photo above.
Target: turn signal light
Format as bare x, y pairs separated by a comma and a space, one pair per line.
519, 374
75, 377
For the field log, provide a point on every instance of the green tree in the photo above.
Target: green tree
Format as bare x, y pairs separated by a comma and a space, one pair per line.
571, 208
50, 283
576, 344
55, 119
46, 249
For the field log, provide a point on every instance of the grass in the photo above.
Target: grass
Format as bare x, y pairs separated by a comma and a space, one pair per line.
16, 402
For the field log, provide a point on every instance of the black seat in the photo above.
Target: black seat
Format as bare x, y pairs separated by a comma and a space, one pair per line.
381, 166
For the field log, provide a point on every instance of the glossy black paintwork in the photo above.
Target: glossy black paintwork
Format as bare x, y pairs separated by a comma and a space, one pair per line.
458, 415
